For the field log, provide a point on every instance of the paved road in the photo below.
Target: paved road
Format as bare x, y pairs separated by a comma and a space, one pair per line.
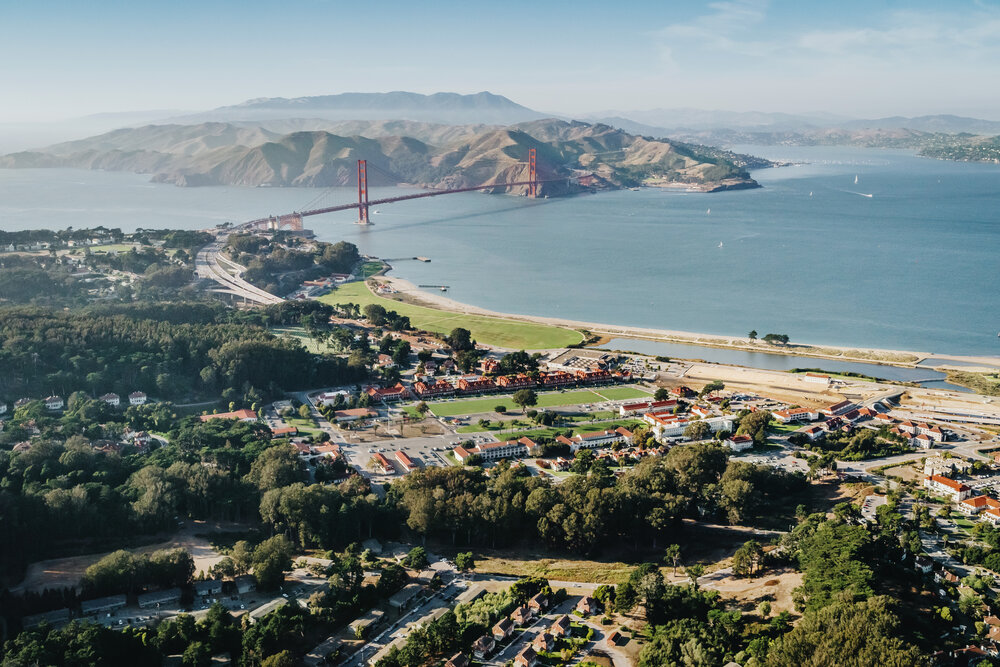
208, 264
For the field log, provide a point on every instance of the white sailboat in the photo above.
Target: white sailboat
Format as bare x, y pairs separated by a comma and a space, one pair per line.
855, 179
720, 244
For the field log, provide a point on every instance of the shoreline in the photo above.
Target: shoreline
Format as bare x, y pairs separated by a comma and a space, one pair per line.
886, 357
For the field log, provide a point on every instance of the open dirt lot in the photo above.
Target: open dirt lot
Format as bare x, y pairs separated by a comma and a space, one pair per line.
64, 572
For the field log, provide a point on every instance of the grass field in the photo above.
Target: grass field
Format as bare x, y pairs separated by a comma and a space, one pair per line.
558, 569
487, 330
622, 393
300, 334
304, 425
477, 405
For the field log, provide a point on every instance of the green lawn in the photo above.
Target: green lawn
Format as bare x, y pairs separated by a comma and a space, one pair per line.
300, 334
488, 330
622, 393
478, 405
304, 425
369, 269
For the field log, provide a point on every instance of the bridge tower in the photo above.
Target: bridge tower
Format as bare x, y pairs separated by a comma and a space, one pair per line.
532, 174
363, 193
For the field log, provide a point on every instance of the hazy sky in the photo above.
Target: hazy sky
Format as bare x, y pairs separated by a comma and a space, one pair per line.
863, 58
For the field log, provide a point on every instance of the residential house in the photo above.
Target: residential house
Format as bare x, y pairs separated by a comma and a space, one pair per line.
700, 411
955, 491
284, 431
543, 642
739, 443
992, 515
137, 398
923, 564
682, 392
503, 629
385, 361
594, 376
114, 400
561, 627
21, 402
538, 603
483, 646
457, 660
522, 615
588, 605
557, 379
526, 658
54, 403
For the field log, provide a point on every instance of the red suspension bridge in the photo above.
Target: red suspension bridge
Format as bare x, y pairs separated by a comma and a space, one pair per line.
294, 220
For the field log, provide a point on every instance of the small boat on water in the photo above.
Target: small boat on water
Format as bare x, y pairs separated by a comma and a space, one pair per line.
720, 244
855, 179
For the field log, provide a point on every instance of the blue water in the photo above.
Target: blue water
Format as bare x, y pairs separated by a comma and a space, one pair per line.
781, 362
914, 267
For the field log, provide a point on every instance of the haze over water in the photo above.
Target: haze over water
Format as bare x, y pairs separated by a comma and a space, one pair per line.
914, 267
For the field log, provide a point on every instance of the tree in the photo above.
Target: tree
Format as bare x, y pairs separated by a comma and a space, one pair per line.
774, 339
375, 314
672, 555
271, 559
856, 633
747, 558
465, 561
525, 398
694, 572
416, 558
661, 394
304, 411
460, 340
500, 409
283, 659
423, 408
764, 608
714, 385
698, 430
752, 335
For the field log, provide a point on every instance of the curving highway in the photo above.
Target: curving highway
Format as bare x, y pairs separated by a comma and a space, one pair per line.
209, 265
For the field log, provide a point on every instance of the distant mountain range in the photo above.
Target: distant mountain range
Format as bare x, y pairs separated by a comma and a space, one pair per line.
450, 108
445, 156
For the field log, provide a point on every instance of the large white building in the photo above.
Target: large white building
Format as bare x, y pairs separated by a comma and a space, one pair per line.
494, 451
954, 491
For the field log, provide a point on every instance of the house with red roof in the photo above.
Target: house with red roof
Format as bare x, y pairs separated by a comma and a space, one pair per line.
405, 461
974, 505
242, 415
795, 415
738, 443
429, 389
398, 392
382, 463
557, 379
956, 491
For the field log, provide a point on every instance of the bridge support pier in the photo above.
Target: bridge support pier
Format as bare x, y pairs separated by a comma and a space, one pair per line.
363, 193
532, 174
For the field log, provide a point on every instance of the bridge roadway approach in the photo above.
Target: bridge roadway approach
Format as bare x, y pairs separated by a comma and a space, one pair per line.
210, 264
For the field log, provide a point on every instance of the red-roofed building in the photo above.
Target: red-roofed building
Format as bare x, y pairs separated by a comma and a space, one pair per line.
594, 375
629, 409
388, 394
682, 392
284, 431
426, 389
795, 415
475, 384
489, 365
514, 382
814, 432
557, 379
242, 415
407, 463
383, 463
461, 453
700, 411
738, 443
839, 408
973, 506
328, 450
956, 491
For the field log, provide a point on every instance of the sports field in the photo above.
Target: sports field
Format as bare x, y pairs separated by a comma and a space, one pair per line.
545, 400
487, 330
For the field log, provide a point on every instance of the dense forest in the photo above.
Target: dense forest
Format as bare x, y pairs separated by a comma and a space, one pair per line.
170, 351
280, 264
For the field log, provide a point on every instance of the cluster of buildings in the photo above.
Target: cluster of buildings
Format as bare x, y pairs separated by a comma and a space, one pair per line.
426, 387
56, 403
845, 415
522, 616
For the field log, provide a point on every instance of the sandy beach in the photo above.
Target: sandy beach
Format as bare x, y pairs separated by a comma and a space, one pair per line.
905, 358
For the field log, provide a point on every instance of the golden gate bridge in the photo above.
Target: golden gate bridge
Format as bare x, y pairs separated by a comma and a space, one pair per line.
294, 220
